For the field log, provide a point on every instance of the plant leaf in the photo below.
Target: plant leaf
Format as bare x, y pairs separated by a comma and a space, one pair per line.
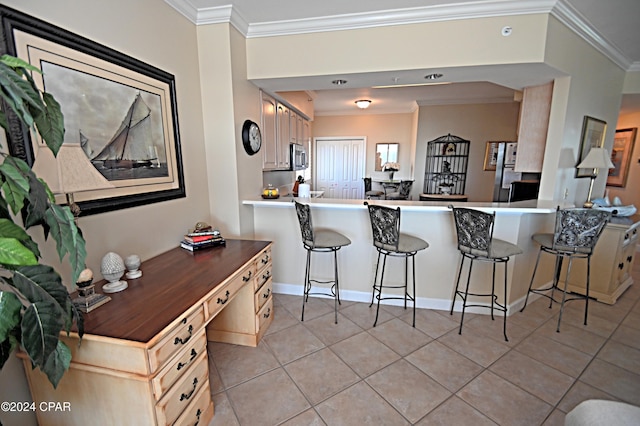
20, 94
37, 203
13, 253
57, 363
41, 326
50, 123
67, 236
8, 229
16, 184
41, 283
9, 314
6, 348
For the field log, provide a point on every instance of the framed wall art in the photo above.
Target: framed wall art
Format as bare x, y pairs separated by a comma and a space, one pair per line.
621, 156
593, 131
491, 156
120, 111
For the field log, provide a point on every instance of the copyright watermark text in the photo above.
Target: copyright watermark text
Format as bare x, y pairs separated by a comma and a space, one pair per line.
23, 406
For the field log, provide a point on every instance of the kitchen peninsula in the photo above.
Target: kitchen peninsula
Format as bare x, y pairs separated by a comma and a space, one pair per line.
436, 267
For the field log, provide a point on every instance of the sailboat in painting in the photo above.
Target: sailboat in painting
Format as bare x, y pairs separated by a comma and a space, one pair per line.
84, 143
132, 144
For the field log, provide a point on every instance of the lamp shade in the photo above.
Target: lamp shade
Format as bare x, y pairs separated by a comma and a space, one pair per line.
71, 171
363, 103
597, 158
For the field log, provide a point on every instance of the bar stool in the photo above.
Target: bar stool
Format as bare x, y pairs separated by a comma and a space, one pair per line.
575, 235
389, 241
474, 230
368, 192
319, 240
402, 192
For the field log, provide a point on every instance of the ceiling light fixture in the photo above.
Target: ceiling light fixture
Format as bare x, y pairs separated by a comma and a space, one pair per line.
433, 76
363, 103
339, 82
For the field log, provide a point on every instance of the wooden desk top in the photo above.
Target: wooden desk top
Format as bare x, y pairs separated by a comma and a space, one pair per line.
171, 283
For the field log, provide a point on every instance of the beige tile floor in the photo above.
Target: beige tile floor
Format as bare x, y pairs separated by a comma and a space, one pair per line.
318, 373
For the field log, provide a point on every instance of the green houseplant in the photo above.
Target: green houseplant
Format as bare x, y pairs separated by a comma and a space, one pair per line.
35, 306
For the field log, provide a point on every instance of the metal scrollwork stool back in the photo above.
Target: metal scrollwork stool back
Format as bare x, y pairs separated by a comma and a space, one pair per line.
474, 230
370, 193
319, 240
389, 241
575, 235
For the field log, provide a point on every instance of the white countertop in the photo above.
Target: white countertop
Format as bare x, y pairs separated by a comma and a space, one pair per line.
530, 206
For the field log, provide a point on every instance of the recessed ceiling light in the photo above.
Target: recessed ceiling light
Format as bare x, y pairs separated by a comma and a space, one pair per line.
433, 76
339, 82
363, 103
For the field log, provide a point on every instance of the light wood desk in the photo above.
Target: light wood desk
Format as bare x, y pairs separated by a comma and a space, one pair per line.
143, 359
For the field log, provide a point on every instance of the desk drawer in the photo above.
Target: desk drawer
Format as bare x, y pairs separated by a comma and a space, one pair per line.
264, 259
176, 400
263, 294
200, 411
263, 276
176, 339
222, 296
174, 369
265, 315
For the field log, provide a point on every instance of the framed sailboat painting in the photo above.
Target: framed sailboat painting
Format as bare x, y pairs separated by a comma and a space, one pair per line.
118, 111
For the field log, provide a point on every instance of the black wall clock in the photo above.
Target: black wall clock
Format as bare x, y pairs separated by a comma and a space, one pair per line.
251, 137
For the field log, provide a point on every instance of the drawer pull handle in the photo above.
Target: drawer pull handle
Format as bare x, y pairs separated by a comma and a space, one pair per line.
247, 277
198, 413
183, 341
265, 277
188, 395
620, 265
226, 299
267, 314
629, 259
265, 260
193, 355
266, 295
626, 236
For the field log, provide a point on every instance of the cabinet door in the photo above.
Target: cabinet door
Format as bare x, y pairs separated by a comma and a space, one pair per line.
269, 133
283, 133
293, 127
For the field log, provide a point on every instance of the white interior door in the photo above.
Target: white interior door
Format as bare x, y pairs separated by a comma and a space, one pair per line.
340, 167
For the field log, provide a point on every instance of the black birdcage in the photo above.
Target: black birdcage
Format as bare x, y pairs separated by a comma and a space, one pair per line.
445, 170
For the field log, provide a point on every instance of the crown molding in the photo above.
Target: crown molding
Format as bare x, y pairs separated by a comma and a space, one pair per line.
391, 17
559, 9
576, 22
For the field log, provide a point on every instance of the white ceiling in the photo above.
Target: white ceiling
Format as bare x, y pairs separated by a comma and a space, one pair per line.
611, 26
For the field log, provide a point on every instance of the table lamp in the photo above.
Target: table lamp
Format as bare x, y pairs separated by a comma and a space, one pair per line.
69, 172
597, 158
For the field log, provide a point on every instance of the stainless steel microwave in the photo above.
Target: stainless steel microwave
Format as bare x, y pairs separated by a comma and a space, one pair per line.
298, 159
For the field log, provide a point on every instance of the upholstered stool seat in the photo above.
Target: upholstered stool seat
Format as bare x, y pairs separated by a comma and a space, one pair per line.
575, 235
319, 240
389, 241
474, 230
404, 189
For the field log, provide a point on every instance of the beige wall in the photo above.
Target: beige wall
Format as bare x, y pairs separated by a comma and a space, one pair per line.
377, 128
478, 123
630, 193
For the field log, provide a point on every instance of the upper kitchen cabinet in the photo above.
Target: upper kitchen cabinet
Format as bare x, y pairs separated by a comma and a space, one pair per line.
532, 131
281, 126
269, 133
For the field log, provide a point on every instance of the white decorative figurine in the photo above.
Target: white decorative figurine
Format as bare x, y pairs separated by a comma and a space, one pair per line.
112, 269
132, 263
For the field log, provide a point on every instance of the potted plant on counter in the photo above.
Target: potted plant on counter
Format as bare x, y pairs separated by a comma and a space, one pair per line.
35, 306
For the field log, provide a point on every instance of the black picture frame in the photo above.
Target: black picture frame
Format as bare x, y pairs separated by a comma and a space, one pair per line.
20, 31
593, 131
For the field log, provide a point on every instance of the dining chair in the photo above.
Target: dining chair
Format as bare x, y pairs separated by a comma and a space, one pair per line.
368, 192
403, 191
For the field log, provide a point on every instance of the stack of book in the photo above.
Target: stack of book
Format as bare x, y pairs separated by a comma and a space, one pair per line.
202, 239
